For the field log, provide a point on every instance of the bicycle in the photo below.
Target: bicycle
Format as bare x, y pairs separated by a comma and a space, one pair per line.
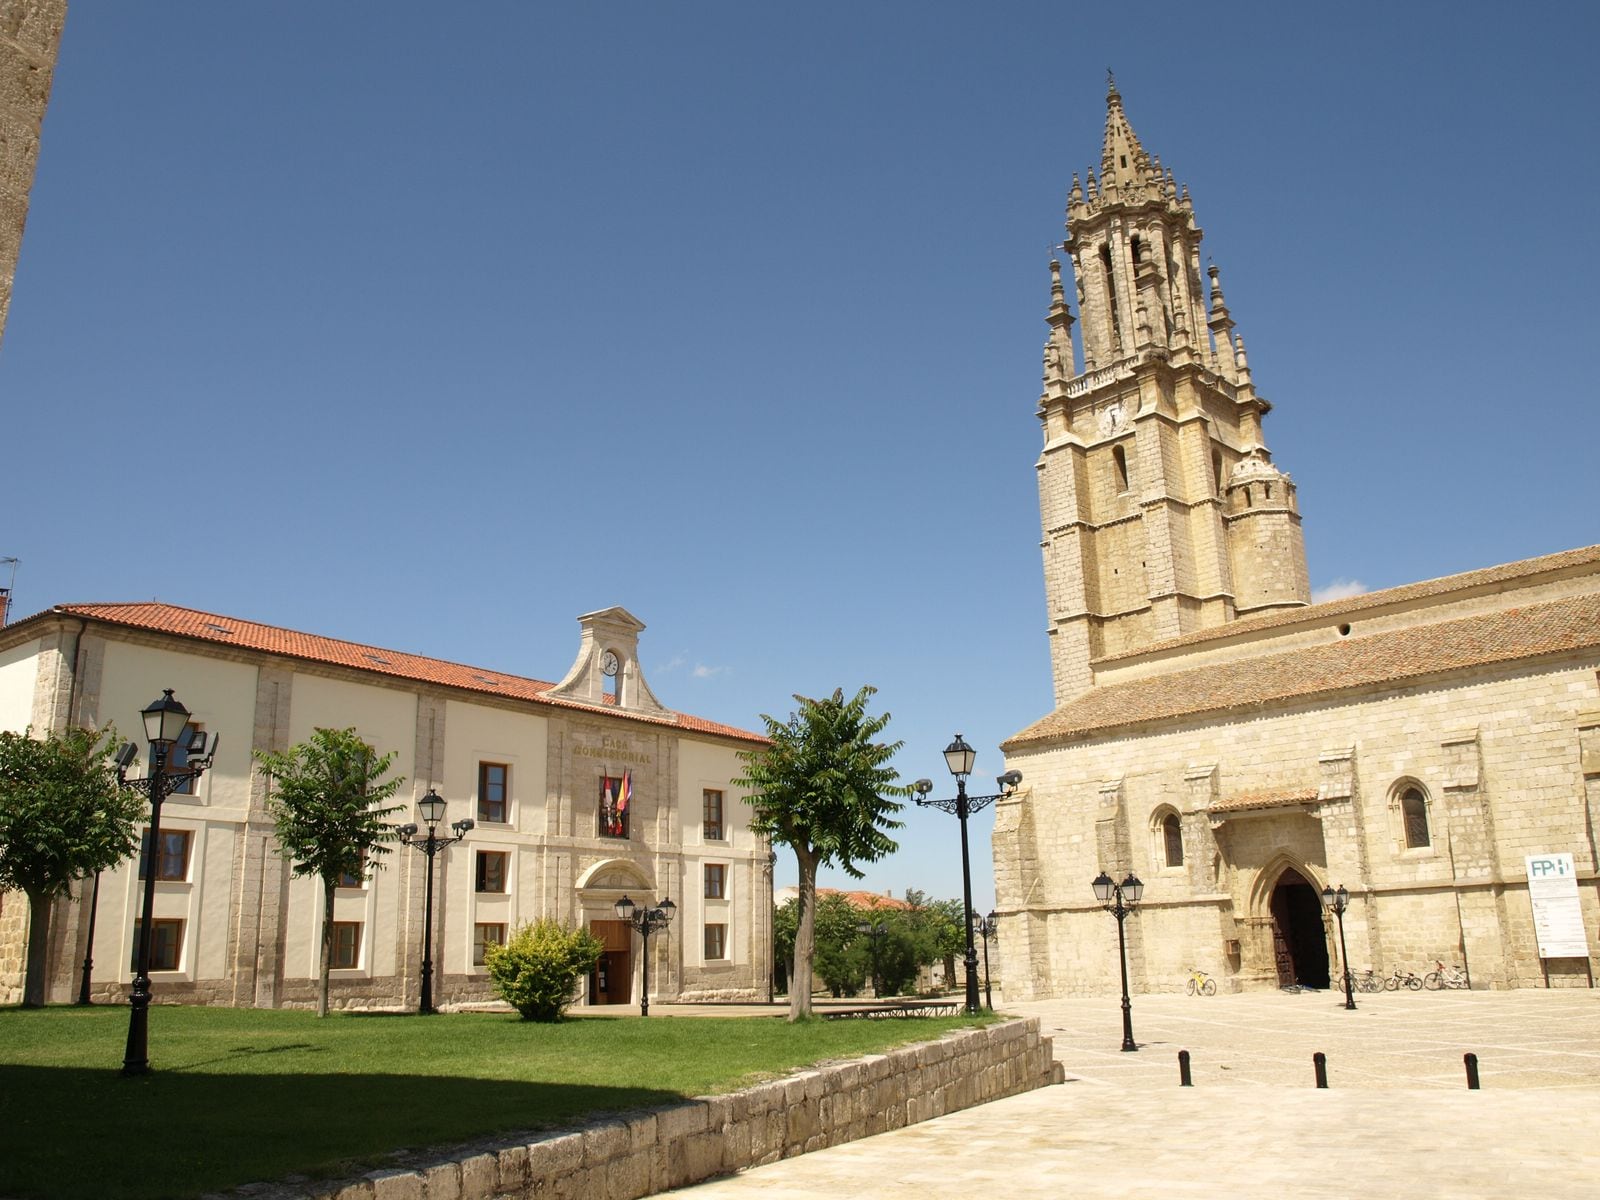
1368, 981
1200, 982
1444, 977
1403, 977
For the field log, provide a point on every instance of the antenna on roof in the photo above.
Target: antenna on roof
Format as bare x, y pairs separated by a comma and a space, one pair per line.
5, 592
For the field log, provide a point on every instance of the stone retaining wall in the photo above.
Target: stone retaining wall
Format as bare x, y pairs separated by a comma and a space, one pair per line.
651, 1151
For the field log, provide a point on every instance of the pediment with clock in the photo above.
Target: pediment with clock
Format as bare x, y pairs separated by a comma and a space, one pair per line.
607, 670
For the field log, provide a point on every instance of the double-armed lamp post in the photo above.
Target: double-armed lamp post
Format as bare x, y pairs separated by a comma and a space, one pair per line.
1338, 901
1119, 900
165, 720
959, 757
432, 808
646, 921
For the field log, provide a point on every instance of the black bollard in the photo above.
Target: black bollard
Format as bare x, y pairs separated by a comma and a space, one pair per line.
1471, 1060
1184, 1079
1319, 1060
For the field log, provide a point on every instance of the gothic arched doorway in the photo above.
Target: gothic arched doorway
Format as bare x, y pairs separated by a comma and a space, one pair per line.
1299, 940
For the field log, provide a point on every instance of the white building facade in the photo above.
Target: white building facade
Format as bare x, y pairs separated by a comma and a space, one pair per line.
539, 767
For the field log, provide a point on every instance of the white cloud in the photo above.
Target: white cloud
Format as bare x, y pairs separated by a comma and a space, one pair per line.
674, 663
1339, 589
701, 671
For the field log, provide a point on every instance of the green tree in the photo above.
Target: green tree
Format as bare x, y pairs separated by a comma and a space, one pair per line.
537, 970
839, 959
326, 793
63, 816
823, 787
937, 928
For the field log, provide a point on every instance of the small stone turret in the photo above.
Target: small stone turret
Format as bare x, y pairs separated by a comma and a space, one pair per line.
1265, 541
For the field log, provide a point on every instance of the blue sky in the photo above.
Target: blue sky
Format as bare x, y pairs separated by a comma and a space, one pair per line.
445, 325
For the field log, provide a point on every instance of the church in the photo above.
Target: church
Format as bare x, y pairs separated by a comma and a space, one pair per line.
1234, 746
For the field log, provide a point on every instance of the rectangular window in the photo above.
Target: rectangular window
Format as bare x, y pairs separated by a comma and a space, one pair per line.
492, 870
716, 881
616, 799
346, 945
713, 815
166, 945
172, 863
492, 792
178, 761
358, 879
484, 936
716, 942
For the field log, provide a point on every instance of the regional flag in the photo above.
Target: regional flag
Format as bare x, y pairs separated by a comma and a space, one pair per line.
625, 792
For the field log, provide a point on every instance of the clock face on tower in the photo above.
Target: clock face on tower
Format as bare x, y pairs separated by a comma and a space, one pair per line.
608, 663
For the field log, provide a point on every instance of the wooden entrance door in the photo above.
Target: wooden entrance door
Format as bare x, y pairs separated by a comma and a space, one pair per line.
611, 981
1299, 936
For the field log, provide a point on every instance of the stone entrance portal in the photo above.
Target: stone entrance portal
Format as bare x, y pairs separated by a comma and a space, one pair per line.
1299, 940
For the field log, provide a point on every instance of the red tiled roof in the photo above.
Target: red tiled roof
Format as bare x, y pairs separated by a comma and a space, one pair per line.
1391, 658
309, 647
1272, 799
1352, 605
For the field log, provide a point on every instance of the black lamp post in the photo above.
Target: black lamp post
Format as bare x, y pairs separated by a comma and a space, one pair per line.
1339, 901
986, 928
164, 722
1119, 900
432, 807
875, 932
646, 921
959, 757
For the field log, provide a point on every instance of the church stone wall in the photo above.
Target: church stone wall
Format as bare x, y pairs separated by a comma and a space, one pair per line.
30, 34
1409, 907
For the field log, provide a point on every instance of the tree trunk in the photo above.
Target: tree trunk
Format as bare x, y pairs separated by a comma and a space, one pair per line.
805, 936
33, 988
327, 947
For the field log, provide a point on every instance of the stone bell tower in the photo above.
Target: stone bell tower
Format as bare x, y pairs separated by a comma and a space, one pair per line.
1161, 510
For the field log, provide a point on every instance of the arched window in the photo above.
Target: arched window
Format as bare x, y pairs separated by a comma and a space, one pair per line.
1414, 817
1172, 839
1216, 469
1120, 457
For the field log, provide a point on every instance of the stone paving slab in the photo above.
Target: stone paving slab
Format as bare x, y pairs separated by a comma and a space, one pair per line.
1397, 1117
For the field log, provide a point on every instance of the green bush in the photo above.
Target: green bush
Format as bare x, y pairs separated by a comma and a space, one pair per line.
538, 968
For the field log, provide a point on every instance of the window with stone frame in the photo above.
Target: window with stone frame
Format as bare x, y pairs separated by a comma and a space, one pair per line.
712, 828
484, 935
357, 878
346, 947
494, 803
172, 857
716, 881
716, 942
493, 868
1172, 839
1414, 818
166, 944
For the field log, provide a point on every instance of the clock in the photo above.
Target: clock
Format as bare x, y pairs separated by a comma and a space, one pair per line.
608, 663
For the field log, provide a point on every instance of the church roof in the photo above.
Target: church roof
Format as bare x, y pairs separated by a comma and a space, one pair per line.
1485, 577
1376, 660
309, 647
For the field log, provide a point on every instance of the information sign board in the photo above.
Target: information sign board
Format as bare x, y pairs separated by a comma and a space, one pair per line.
1557, 913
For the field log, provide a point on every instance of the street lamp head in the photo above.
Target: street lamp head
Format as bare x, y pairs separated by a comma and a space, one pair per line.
1103, 887
432, 808
1009, 782
993, 916
922, 787
1327, 895
624, 909
959, 757
1343, 895
164, 720
125, 757
1132, 888
667, 910
464, 826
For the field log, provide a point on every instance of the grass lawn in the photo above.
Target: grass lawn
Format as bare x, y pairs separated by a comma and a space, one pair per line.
239, 1095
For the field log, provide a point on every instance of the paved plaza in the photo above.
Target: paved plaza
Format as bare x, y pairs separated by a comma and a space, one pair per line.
1397, 1117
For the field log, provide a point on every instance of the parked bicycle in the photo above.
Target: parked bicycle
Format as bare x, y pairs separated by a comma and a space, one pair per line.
1200, 982
1403, 978
1444, 977
1368, 981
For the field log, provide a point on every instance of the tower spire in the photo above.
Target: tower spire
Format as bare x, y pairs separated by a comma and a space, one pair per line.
1123, 162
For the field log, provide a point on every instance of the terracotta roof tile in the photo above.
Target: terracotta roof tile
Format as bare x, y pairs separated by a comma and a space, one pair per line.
1351, 605
309, 647
1395, 657
1271, 799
